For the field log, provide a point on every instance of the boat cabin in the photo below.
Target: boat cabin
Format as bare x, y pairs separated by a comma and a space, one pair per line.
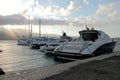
89, 35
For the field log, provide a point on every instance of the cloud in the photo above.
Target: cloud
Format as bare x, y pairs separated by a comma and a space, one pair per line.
76, 22
105, 9
52, 11
106, 15
71, 7
114, 14
9, 7
12, 20
86, 2
113, 18
21, 20
33, 8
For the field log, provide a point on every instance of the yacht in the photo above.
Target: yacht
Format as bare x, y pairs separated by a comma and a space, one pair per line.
1, 51
38, 42
65, 38
49, 48
24, 41
90, 43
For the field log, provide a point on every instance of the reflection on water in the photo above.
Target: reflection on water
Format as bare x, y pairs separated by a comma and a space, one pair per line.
16, 57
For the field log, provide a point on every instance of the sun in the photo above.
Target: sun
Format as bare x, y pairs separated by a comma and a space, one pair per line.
9, 27
8, 7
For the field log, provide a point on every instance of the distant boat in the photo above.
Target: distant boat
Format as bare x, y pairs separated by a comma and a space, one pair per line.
65, 38
1, 51
22, 41
90, 43
25, 41
49, 47
39, 42
29, 40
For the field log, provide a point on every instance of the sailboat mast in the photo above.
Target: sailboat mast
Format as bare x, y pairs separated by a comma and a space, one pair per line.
31, 29
39, 28
29, 25
25, 30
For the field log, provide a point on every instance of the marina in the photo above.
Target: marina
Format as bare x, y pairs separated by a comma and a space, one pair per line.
59, 40
17, 57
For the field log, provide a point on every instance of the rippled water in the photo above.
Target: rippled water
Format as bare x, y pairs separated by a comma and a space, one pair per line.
15, 57
117, 47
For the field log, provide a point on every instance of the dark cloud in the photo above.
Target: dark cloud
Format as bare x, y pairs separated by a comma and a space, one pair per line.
21, 20
53, 22
12, 20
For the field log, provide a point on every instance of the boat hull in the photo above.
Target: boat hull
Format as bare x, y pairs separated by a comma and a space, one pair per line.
69, 56
36, 46
106, 48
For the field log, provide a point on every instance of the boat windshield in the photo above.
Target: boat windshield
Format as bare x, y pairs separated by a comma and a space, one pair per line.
90, 36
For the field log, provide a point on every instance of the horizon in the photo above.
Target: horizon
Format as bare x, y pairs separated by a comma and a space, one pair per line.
14, 34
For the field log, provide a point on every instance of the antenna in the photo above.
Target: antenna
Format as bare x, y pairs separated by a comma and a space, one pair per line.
62, 31
92, 28
86, 26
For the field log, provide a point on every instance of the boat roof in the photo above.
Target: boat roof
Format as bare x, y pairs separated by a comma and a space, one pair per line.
88, 31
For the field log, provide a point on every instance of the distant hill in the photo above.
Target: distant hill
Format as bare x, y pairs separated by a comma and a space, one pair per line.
6, 34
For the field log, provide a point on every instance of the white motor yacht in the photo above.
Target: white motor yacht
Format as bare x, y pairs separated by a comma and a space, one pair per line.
90, 43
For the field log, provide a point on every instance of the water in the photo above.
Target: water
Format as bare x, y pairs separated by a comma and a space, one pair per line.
117, 47
15, 57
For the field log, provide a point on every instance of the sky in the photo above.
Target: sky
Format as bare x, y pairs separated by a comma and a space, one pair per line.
62, 15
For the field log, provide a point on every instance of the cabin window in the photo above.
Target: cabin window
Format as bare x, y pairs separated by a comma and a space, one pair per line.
90, 36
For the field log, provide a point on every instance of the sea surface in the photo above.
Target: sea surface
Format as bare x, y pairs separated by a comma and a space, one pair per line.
117, 46
15, 57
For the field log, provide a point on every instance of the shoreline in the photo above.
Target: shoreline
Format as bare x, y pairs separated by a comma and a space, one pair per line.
46, 72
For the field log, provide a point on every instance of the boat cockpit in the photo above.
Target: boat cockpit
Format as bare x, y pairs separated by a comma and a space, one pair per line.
89, 35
